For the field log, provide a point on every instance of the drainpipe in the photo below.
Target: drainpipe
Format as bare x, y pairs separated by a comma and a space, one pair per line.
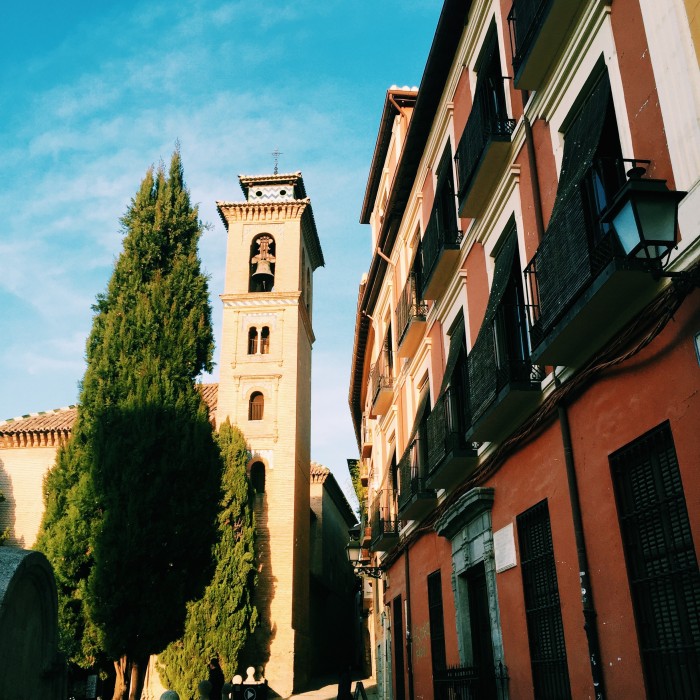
534, 178
409, 633
589, 613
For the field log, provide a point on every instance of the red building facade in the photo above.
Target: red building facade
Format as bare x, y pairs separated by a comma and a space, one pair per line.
526, 372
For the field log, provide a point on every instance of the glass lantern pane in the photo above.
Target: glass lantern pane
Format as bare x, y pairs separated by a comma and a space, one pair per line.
626, 228
658, 219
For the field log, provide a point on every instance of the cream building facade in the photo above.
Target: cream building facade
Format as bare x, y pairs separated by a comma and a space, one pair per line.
265, 389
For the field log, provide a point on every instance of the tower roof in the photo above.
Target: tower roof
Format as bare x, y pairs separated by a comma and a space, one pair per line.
294, 179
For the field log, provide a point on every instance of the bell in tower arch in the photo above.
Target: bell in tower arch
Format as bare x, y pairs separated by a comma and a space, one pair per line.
262, 264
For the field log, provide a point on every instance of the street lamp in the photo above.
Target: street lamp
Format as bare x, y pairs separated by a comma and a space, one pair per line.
644, 215
359, 557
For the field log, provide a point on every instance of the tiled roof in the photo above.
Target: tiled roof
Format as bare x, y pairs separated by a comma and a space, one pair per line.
61, 420
319, 473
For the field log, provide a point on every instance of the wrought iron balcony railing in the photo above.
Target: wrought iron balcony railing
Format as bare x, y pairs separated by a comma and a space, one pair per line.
471, 683
381, 374
486, 122
413, 472
575, 250
524, 20
438, 237
501, 358
447, 424
384, 521
410, 307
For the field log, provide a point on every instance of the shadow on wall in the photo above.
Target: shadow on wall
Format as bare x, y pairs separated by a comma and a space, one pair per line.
8, 508
257, 649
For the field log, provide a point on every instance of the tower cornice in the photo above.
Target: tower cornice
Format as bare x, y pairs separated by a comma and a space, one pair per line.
254, 212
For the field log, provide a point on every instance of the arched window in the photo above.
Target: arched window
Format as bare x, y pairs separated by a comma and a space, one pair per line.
257, 478
264, 340
252, 341
262, 264
256, 406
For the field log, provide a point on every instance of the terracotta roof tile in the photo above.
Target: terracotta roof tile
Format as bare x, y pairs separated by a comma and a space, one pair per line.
62, 419
58, 419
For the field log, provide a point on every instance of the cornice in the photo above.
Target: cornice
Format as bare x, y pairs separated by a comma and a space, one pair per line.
266, 300
49, 438
261, 211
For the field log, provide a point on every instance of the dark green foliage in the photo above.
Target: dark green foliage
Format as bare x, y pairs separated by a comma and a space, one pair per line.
219, 623
130, 505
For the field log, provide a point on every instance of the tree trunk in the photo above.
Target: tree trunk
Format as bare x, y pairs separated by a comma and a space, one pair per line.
138, 676
120, 666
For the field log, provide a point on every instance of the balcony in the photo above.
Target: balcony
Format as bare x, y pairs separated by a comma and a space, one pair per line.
450, 457
483, 149
410, 315
364, 473
367, 440
504, 385
381, 382
583, 288
415, 498
440, 246
538, 29
385, 524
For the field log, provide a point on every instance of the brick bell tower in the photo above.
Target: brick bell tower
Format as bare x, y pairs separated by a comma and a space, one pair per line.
265, 389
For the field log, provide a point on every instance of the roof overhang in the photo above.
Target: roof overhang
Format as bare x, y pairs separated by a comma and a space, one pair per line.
440, 58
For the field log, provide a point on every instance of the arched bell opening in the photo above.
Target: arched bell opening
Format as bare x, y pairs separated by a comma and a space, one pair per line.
262, 263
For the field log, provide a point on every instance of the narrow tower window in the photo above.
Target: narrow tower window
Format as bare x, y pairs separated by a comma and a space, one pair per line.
264, 340
256, 406
252, 341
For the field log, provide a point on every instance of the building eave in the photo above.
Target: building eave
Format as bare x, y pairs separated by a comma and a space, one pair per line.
440, 58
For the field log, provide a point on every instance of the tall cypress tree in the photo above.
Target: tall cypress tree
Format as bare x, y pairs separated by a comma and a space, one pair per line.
131, 503
220, 622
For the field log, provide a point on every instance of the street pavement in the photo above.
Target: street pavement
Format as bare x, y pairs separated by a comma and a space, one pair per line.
327, 689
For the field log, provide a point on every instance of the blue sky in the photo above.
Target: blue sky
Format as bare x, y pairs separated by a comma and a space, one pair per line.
91, 94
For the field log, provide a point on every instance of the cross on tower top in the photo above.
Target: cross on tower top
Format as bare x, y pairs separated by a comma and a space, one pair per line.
276, 155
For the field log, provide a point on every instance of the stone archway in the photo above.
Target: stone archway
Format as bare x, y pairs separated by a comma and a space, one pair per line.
31, 665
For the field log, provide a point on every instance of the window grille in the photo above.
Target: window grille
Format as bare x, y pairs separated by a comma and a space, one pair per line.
661, 563
550, 675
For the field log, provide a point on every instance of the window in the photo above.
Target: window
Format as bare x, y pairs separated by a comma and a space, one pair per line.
264, 340
550, 675
257, 478
437, 622
256, 406
661, 563
510, 322
397, 634
252, 341
603, 179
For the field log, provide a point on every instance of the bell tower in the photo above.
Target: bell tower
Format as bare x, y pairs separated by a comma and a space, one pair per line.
265, 389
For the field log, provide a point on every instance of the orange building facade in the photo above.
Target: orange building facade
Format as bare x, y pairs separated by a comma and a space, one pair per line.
525, 385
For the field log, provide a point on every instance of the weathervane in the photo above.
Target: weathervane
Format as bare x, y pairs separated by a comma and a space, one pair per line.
276, 155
